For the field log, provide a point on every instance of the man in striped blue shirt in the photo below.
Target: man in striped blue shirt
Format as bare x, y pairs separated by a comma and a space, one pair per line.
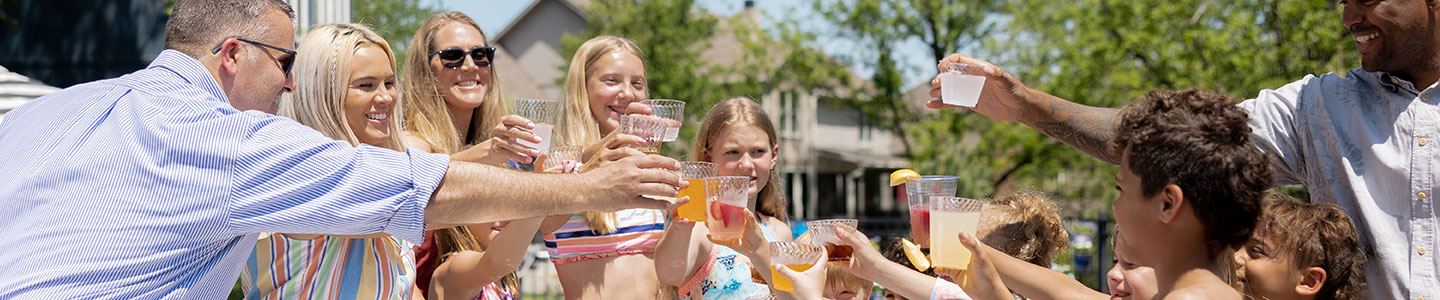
155, 184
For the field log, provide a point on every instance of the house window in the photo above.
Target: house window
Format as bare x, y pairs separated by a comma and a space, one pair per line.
789, 111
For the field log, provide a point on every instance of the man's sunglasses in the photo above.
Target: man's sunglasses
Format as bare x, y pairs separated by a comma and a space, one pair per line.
285, 62
454, 57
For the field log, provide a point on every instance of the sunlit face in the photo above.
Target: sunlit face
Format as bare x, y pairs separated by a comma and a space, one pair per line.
744, 151
612, 83
264, 79
1138, 214
1263, 275
1128, 280
1391, 35
464, 87
370, 98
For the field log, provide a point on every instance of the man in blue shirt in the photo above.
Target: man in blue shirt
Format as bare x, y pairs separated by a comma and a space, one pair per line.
155, 184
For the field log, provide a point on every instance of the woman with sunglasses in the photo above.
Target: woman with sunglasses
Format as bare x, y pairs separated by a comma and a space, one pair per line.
345, 77
455, 102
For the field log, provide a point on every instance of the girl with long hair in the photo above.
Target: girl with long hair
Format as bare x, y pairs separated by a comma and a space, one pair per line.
739, 137
604, 255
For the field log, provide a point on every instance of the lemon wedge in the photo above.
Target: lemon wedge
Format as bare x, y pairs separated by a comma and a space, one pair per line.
917, 257
901, 176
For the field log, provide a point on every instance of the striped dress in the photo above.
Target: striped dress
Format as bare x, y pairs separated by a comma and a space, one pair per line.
637, 231
329, 267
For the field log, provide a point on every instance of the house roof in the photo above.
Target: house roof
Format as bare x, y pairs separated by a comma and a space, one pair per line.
516, 82
574, 5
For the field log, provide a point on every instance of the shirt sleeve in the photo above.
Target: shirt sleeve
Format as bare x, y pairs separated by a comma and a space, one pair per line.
945, 290
1274, 130
288, 178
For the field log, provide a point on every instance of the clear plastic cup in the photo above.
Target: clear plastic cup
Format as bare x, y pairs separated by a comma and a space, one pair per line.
545, 113
694, 172
952, 215
823, 234
796, 256
673, 110
959, 88
917, 194
728, 201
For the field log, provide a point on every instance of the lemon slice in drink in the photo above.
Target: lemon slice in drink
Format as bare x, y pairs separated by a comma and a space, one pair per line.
901, 176
917, 257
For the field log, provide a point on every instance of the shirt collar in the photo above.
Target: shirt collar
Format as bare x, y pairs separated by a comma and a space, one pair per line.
189, 69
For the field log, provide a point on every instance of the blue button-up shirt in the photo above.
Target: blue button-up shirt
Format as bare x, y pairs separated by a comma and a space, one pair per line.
1366, 142
151, 185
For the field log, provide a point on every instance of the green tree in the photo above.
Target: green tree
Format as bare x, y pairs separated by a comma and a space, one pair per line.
395, 20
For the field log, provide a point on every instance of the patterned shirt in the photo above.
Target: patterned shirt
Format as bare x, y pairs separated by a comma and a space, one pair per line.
329, 267
152, 186
1366, 142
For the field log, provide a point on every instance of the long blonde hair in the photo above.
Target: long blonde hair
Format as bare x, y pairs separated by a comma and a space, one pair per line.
322, 76
427, 116
742, 111
578, 124
429, 119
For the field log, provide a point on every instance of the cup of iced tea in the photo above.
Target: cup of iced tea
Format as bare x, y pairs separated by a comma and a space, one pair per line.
796, 256
823, 233
695, 173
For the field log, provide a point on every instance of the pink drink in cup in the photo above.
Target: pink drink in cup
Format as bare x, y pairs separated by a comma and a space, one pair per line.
728, 199
918, 193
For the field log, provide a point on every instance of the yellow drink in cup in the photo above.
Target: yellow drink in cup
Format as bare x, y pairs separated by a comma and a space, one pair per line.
783, 284
796, 256
693, 211
949, 217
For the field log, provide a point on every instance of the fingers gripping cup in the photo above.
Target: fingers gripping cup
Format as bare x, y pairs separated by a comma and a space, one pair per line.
823, 234
952, 215
650, 128
671, 110
562, 159
728, 200
545, 113
695, 173
918, 193
959, 88
796, 256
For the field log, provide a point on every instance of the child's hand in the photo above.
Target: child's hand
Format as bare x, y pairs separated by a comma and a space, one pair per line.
749, 245
865, 257
809, 284
984, 281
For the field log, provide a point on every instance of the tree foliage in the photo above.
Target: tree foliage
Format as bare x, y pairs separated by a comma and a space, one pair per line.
394, 20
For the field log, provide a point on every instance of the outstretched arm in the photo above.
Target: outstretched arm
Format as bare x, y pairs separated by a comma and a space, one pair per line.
1005, 98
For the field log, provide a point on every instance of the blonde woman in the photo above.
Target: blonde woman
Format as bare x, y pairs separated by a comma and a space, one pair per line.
604, 255
457, 102
345, 89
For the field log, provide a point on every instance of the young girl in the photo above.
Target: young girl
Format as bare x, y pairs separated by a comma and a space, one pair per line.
1301, 251
345, 76
1024, 225
739, 138
604, 255
456, 101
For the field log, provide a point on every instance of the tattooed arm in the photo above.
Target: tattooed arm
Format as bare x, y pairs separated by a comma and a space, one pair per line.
1005, 99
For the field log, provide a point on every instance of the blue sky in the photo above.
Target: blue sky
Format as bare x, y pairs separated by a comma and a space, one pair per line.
494, 15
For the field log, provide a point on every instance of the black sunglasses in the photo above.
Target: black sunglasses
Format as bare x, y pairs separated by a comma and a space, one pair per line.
454, 57
285, 62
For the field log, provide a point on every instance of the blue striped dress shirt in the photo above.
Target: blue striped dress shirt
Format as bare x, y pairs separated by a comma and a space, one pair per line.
151, 185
